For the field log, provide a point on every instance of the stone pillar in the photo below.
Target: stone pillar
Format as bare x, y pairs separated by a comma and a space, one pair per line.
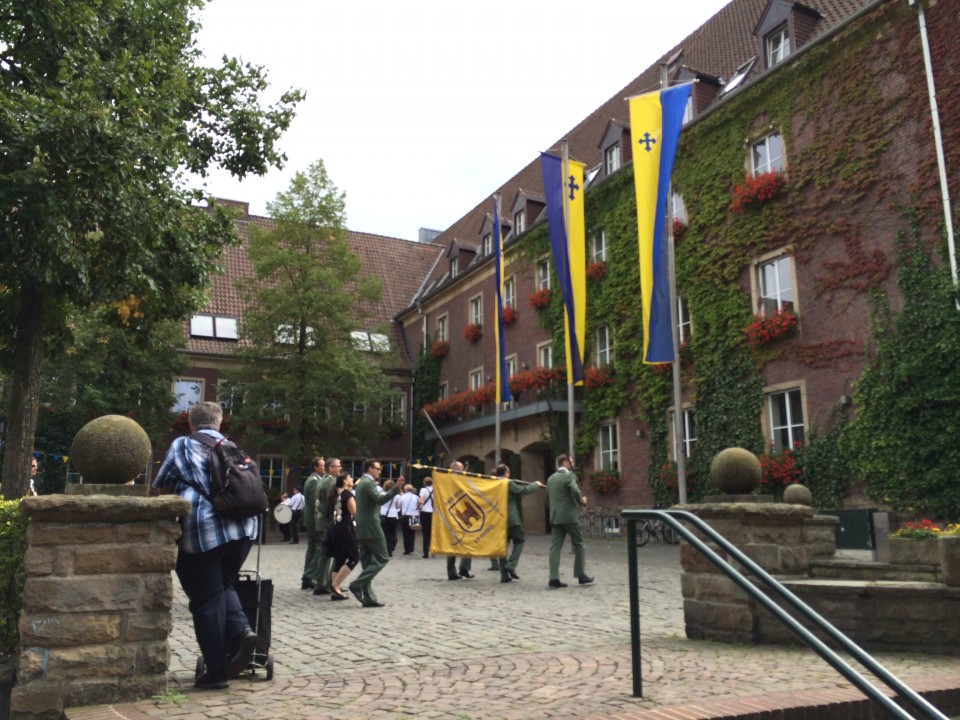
772, 535
97, 601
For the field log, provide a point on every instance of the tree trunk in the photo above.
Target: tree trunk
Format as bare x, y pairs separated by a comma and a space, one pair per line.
24, 394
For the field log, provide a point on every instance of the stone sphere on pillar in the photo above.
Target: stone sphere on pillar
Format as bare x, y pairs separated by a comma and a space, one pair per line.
110, 450
798, 494
736, 471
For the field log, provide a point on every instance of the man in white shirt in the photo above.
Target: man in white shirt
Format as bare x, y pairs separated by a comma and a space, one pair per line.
296, 503
426, 513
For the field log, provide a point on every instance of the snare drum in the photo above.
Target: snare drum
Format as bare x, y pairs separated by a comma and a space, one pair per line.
282, 513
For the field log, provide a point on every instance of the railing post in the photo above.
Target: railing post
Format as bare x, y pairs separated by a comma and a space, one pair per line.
634, 607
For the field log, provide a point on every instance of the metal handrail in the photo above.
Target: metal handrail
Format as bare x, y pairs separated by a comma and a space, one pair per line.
828, 655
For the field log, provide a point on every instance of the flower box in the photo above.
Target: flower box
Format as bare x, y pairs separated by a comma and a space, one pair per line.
758, 189
540, 299
440, 349
766, 329
914, 551
596, 270
473, 332
679, 230
509, 315
605, 482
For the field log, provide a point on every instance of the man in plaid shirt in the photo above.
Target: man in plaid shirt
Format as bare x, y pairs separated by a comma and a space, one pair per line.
212, 551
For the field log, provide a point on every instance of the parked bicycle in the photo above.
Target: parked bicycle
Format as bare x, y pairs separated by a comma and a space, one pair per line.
660, 531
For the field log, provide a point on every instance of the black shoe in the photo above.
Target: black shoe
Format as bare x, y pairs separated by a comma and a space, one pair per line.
513, 574
467, 574
241, 658
506, 578
453, 577
322, 590
307, 585
585, 579
210, 682
373, 603
339, 596
557, 584
357, 594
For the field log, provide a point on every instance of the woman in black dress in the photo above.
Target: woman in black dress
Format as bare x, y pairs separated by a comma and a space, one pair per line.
342, 536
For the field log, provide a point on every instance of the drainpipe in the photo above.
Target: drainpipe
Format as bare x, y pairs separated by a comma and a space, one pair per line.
937, 139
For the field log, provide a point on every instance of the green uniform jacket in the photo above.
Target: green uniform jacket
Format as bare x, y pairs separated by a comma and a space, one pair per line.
310, 492
323, 516
516, 490
563, 498
369, 499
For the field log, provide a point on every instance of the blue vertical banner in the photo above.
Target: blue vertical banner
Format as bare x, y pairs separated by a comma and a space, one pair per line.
502, 389
565, 186
655, 122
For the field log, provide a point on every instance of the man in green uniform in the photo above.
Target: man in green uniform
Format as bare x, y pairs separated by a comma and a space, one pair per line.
311, 487
515, 534
370, 537
563, 502
322, 511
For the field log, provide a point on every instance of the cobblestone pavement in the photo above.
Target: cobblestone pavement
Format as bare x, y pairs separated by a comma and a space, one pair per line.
481, 649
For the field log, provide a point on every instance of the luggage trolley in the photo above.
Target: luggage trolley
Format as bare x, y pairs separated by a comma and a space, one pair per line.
256, 599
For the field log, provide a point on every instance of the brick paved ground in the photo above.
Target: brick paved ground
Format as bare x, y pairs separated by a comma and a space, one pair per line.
481, 649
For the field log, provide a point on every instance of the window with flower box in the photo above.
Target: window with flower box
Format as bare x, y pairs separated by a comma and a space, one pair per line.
679, 208
511, 363
689, 434
684, 324
598, 246
510, 292
766, 155
785, 416
444, 390
545, 355
774, 284
443, 333
603, 346
543, 274
476, 378
476, 310
608, 447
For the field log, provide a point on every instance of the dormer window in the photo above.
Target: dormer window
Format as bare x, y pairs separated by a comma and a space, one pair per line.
519, 222
777, 45
611, 157
738, 77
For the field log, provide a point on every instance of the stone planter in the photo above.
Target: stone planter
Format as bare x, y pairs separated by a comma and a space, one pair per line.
914, 551
949, 550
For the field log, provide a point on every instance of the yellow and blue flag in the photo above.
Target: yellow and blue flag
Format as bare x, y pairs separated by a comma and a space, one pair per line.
655, 122
469, 515
563, 189
502, 386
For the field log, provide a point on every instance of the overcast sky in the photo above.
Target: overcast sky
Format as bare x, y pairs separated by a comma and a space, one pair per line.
421, 109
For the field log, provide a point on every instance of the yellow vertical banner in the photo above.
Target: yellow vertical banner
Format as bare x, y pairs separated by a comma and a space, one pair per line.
469, 515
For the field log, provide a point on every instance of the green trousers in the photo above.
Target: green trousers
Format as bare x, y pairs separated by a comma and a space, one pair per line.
560, 533
374, 558
316, 564
515, 535
465, 564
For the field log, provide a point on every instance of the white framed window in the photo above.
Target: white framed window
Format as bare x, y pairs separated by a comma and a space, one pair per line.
511, 363
598, 246
360, 410
543, 274
488, 244
363, 341
201, 325
476, 378
476, 310
545, 355
777, 46
519, 222
225, 328
443, 332
785, 413
684, 325
738, 76
603, 346
608, 447
394, 412
510, 292
454, 266
221, 327
611, 159
444, 391
775, 285
271, 472
688, 435
767, 155
187, 392
679, 207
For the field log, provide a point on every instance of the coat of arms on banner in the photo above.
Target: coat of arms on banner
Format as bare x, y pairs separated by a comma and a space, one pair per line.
466, 513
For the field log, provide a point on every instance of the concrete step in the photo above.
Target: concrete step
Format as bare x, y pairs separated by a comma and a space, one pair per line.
858, 570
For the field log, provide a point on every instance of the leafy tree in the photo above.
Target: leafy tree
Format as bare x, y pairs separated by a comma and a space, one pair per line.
305, 383
903, 442
103, 109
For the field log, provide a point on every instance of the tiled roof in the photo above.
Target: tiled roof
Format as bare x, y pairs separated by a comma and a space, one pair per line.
401, 265
718, 47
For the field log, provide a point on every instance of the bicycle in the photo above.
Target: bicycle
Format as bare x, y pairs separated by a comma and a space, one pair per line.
658, 530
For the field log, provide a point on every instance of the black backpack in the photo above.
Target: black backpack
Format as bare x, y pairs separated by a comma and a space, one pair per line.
236, 490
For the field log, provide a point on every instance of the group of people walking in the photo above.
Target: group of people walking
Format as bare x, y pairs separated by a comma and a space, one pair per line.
347, 522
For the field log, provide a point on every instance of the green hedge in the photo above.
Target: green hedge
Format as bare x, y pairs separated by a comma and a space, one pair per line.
13, 545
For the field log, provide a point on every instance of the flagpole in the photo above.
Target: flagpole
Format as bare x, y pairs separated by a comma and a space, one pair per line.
419, 466
677, 390
570, 321
497, 350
